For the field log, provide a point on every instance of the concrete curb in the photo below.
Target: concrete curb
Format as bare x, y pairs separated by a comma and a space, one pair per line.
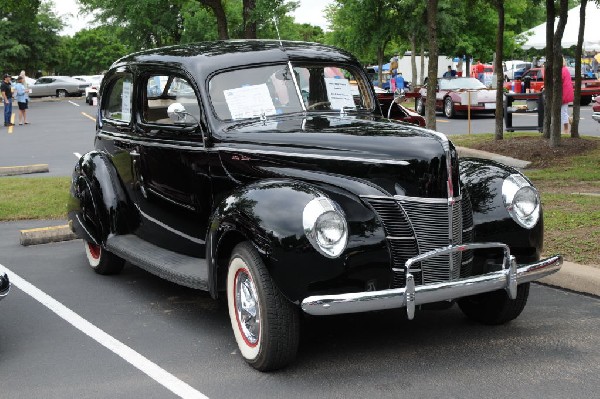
46, 235
21, 170
575, 277
469, 152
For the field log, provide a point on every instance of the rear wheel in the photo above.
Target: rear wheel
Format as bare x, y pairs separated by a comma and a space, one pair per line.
102, 261
449, 108
495, 307
61, 93
265, 324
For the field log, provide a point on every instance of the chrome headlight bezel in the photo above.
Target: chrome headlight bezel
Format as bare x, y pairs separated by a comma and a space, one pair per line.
325, 226
521, 200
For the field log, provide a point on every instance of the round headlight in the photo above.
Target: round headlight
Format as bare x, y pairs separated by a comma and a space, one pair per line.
325, 226
330, 228
521, 200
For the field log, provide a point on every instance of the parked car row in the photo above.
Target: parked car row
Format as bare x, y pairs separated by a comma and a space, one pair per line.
64, 86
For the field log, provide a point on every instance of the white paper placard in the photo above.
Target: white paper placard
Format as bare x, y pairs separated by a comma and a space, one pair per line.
339, 93
249, 101
126, 101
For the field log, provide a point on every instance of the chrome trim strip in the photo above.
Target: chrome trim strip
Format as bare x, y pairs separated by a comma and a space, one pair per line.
411, 296
400, 238
297, 85
315, 156
412, 199
169, 228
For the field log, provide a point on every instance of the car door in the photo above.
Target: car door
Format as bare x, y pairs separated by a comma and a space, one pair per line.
170, 163
42, 87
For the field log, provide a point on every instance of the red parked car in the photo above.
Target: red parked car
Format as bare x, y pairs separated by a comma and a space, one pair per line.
453, 94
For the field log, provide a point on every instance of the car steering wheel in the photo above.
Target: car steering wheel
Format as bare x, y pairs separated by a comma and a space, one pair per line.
319, 104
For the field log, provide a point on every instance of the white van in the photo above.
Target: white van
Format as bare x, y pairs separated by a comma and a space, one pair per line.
511, 66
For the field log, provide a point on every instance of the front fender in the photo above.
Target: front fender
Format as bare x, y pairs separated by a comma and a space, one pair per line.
98, 205
269, 214
482, 181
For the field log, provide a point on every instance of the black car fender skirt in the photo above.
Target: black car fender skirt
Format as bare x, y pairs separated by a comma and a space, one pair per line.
98, 205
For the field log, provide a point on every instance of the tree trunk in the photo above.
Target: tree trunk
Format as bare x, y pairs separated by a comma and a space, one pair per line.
422, 74
548, 83
413, 59
578, 51
217, 8
432, 8
380, 63
499, 134
557, 75
249, 22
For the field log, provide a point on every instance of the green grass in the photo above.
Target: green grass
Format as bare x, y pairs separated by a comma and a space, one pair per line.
33, 197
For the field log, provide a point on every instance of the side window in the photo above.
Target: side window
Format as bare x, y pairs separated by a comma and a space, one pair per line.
118, 103
164, 90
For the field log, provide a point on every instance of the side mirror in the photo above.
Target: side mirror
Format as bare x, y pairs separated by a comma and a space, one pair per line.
176, 112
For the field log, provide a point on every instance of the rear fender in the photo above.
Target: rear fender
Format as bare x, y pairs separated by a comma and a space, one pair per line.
98, 204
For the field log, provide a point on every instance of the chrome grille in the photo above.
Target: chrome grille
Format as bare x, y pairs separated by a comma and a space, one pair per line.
418, 225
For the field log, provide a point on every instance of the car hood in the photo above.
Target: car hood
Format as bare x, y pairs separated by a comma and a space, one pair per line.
368, 155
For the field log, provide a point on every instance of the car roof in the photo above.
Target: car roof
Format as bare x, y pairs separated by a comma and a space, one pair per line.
207, 57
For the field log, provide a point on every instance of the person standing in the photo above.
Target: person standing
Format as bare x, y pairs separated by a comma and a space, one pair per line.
22, 100
568, 96
6, 89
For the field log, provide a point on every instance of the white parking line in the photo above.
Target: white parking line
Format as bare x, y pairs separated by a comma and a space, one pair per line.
75, 104
140, 362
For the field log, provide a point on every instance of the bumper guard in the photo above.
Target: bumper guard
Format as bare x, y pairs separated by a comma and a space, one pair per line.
410, 296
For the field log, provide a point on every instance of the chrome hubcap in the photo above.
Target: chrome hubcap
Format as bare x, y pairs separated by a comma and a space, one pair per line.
448, 107
246, 307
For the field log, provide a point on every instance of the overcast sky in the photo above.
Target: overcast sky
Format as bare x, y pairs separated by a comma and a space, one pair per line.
310, 11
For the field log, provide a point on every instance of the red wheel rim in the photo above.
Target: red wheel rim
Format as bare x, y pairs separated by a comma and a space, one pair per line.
94, 250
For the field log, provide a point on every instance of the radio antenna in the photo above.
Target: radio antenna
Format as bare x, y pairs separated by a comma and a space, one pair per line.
277, 30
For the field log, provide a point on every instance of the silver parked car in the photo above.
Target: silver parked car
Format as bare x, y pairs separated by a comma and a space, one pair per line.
59, 86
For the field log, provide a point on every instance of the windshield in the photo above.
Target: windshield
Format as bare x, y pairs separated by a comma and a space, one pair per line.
460, 84
271, 90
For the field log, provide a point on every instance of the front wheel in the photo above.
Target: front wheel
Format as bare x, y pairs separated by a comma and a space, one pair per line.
265, 324
496, 307
449, 108
420, 107
102, 261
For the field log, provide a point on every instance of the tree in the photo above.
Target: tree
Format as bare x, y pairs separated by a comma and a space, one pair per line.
92, 51
28, 29
364, 27
499, 131
556, 68
432, 8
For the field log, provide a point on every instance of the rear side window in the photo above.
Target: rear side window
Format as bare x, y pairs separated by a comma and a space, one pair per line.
118, 103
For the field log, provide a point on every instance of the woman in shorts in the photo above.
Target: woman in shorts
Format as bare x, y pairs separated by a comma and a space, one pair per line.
22, 100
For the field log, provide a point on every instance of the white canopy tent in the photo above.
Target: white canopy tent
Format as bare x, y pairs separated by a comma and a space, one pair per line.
536, 37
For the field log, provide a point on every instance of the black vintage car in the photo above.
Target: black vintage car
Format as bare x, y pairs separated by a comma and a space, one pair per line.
252, 169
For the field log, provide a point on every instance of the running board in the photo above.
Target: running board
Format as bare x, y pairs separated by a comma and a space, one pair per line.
180, 269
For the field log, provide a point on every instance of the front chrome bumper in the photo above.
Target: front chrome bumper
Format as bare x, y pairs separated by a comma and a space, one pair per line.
508, 278
596, 116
